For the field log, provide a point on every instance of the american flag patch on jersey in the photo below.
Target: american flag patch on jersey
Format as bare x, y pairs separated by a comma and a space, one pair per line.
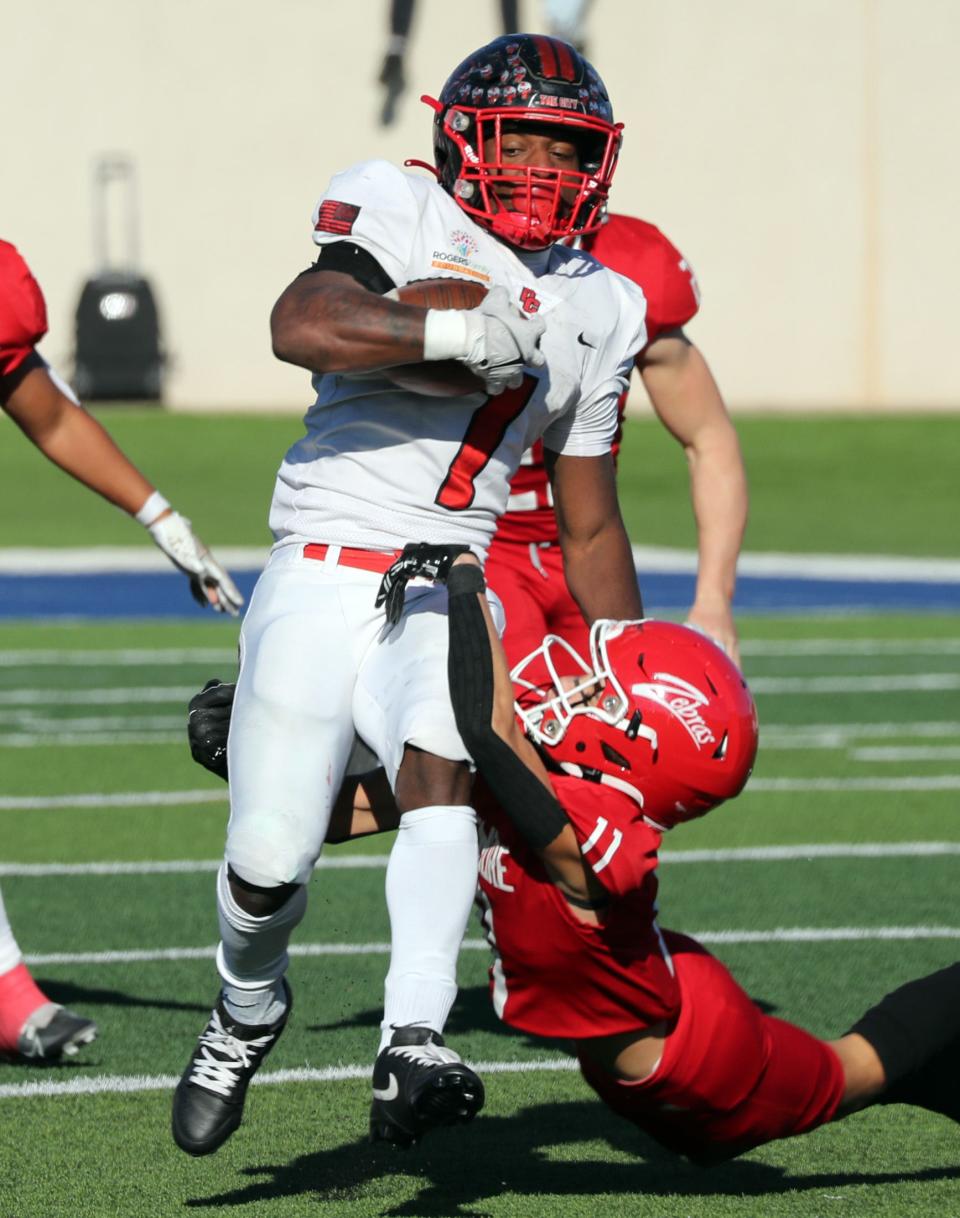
336, 217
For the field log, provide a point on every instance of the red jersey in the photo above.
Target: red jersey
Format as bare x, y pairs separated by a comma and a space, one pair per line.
23, 314
554, 975
640, 252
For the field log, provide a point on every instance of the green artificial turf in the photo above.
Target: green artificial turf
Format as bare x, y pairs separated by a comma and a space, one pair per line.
542, 1143
824, 483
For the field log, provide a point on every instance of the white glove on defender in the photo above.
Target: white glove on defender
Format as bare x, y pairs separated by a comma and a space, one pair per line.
176, 538
495, 340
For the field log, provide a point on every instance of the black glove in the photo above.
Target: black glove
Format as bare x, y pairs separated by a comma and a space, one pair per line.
208, 725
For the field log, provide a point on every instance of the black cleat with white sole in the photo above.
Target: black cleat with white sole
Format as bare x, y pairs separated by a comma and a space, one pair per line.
418, 1084
53, 1033
208, 1101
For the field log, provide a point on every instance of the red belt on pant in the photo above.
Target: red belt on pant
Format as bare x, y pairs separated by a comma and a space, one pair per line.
366, 560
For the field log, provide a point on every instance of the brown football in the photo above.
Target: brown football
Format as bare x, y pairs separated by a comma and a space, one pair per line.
439, 378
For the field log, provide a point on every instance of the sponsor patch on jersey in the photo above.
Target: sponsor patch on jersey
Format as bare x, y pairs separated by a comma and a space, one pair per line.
459, 257
336, 217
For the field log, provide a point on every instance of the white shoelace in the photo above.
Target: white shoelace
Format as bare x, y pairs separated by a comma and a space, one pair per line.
428, 1054
217, 1074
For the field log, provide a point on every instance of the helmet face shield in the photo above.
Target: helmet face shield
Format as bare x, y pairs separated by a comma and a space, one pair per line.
519, 83
528, 206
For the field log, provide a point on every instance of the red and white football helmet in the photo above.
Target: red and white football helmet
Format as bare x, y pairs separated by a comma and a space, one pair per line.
526, 78
661, 713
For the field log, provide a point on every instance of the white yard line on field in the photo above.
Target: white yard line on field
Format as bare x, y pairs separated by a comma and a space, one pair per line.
28, 560
913, 782
847, 647
946, 753
35, 731
22, 740
782, 934
117, 695
126, 1084
840, 735
354, 862
848, 684
757, 786
123, 657
832, 684
136, 657
100, 799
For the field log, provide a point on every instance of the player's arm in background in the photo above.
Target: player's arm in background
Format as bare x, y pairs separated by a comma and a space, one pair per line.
44, 409
48, 413
597, 557
688, 402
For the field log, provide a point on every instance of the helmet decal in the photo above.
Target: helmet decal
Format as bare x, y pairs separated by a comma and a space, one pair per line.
517, 80
659, 712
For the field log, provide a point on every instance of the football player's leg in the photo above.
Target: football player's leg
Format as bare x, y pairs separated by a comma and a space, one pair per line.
402, 709
33, 1028
906, 1048
729, 1078
290, 738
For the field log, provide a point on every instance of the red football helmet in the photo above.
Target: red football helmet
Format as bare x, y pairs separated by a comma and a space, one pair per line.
526, 79
662, 714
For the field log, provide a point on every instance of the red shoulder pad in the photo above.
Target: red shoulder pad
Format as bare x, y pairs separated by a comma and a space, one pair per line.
641, 252
23, 313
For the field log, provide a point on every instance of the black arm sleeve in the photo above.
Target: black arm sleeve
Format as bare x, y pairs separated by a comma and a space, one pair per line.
533, 809
351, 260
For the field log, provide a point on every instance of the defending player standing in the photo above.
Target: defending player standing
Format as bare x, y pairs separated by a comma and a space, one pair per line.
524, 566
385, 488
45, 409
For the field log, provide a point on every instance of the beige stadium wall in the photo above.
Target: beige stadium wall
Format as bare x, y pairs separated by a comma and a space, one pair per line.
804, 154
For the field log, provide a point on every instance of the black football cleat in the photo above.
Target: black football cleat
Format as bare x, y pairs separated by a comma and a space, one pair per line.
51, 1033
208, 1101
418, 1084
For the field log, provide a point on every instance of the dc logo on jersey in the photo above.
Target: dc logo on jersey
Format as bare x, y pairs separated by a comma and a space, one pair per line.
529, 301
682, 700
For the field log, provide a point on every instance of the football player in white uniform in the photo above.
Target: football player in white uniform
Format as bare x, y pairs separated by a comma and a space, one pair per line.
340, 660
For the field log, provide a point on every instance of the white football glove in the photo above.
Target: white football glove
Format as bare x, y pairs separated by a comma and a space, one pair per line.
501, 340
494, 340
209, 583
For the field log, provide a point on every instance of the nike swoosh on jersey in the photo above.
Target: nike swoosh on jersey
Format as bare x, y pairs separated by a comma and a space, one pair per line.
584, 342
390, 1092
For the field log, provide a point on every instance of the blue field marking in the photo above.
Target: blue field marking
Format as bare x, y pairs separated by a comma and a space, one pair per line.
112, 582
161, 595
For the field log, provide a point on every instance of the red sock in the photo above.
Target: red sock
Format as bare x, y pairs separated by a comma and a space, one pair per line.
19, 998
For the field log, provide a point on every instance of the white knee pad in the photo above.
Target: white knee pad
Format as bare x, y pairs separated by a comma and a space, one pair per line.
271, 848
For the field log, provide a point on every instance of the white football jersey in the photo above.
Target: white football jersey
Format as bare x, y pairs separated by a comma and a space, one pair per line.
380, 466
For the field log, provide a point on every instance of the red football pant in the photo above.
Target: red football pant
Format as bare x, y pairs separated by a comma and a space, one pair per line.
730, 1077
529, 582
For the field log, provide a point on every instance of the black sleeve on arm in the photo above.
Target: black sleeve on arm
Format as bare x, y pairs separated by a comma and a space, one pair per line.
533, 809
351, 260
10, 381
